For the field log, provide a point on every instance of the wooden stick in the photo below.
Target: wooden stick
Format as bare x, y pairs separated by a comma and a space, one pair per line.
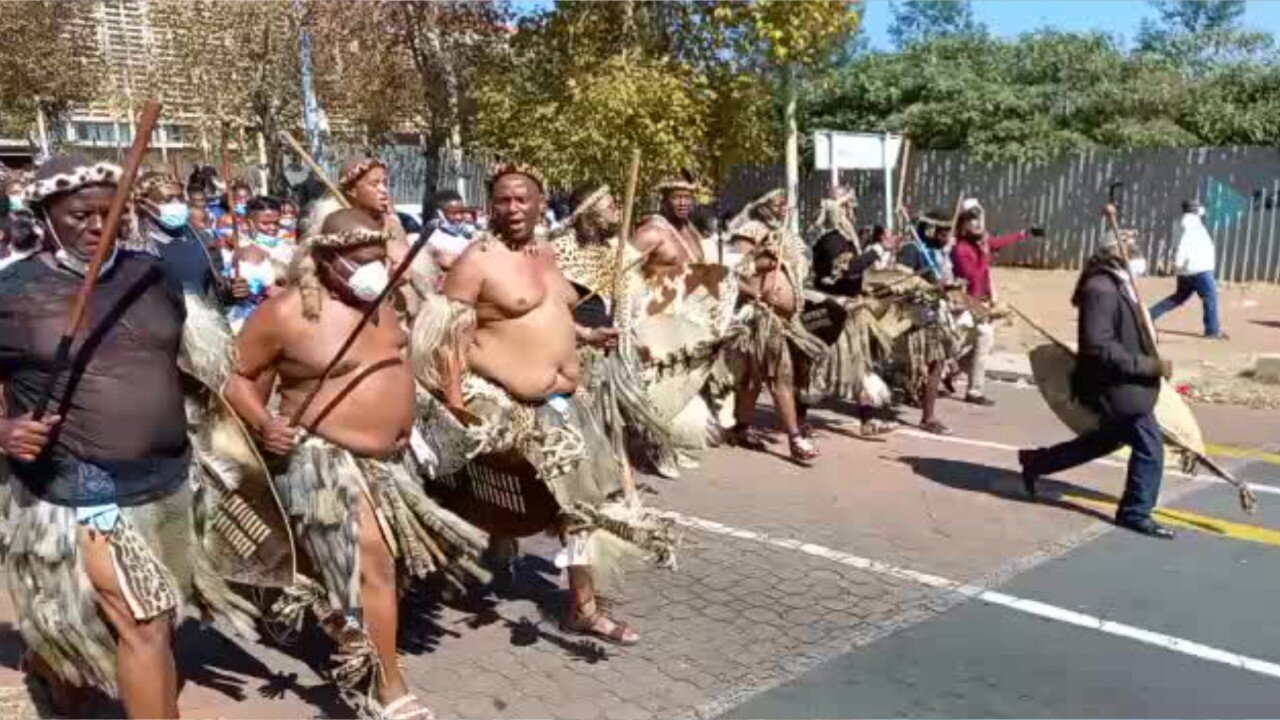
231, 206
110, 229
315, 167
902, 172
369, 312
624, 237
1123, 247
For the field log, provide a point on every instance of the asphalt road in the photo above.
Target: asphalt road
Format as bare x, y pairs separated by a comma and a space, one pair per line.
903, 576
982, 659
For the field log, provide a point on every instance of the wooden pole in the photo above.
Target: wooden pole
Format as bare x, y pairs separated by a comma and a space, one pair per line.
231, 207
315, 167
902, 172
624, 236
1147, 326
110, 230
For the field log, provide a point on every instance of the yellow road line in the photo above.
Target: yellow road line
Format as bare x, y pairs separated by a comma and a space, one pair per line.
1190, 521
1231, 451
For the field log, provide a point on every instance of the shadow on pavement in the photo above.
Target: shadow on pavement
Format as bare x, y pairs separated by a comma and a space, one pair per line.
974, 477
208, 659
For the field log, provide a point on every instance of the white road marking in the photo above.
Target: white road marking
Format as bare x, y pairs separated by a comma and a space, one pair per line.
1198, 477
1031, 607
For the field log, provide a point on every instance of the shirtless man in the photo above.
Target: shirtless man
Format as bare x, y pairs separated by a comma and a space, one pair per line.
669, 238
776, 351
357, 428
525, 338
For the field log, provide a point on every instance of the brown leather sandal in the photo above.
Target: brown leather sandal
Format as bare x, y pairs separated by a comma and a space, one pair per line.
586, 626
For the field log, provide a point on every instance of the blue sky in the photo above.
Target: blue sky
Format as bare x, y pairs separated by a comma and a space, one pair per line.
1012, 17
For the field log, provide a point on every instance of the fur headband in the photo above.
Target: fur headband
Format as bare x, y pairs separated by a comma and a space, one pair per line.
346, 239
355, 168
502, 170
588, 204
70, 179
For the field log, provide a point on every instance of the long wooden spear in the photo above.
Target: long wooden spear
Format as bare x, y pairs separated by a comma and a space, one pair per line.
624, 236
315, 167
110, 230
231, 209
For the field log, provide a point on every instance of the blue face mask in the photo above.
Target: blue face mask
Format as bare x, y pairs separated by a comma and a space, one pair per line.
173, 215
266, 240
239, 209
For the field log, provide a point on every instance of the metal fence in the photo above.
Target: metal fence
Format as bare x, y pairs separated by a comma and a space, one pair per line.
1240, 188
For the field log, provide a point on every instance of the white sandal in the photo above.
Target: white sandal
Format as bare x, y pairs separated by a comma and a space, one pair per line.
397, 709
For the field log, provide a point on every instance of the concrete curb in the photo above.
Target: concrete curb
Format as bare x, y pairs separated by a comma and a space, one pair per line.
1009, 367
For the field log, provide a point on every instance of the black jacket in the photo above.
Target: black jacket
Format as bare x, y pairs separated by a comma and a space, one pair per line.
1117, 372
829, 247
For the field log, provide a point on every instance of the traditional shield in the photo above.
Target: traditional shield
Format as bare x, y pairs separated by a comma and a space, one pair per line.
498, 492
823, 316
245, 530
681, 320
1052, 365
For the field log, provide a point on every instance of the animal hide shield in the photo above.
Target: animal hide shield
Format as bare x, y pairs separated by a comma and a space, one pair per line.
1052, 365
823, 317
244, 528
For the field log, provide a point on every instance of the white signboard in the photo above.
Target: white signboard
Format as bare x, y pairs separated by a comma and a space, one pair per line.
855, 151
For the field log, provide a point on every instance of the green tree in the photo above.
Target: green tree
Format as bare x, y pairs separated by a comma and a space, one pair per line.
48, 64
1199, 36
239, 70
1193, 16
918, 20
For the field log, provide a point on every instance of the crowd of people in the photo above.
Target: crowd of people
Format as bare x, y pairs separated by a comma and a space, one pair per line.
320, 402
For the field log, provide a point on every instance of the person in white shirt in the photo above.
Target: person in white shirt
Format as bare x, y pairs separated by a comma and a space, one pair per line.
1194, 261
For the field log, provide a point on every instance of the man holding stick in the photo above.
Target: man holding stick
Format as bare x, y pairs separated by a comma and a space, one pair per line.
100, 518
1117, 375
360, 515
587, 254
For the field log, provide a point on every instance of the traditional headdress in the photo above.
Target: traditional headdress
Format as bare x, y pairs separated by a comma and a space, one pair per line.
303, 271
936, 218
504, 169
750, 210
356, 167
67, 173
151, 180
684, 180
831, 215
586, 204
345, 239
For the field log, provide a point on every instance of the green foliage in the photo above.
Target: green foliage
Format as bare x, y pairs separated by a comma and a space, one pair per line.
921, 20
587, 82
1193, 16
48, 60
1044, 94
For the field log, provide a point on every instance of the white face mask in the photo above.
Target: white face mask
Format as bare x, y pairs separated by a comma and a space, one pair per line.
367, 281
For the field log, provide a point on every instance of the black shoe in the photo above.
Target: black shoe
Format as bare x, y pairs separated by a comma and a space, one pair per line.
981, 400
1148, 527
1026, 458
